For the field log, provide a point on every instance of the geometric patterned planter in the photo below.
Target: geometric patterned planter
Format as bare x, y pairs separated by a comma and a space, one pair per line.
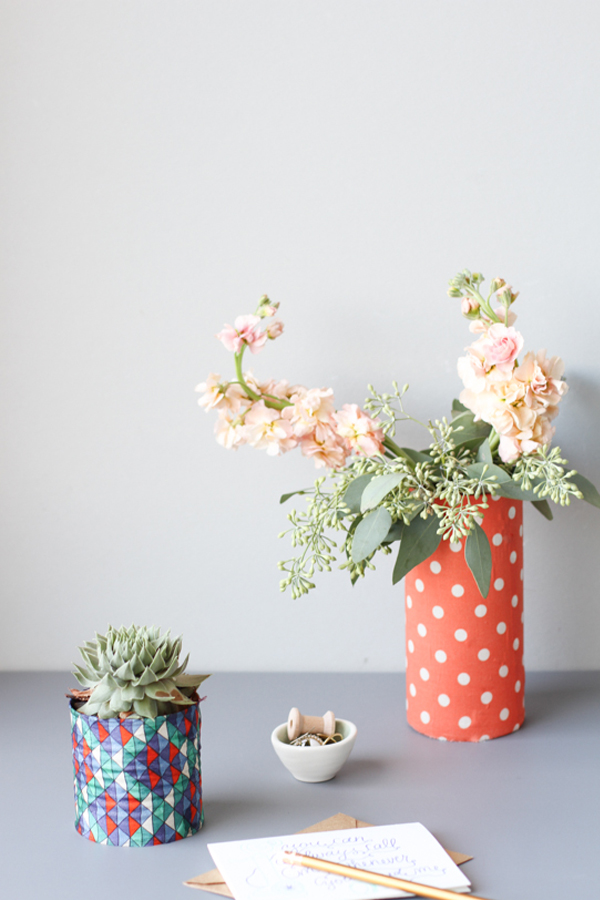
137, 781
465, 678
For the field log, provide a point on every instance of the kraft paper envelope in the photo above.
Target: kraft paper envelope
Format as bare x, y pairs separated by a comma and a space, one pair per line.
213, 882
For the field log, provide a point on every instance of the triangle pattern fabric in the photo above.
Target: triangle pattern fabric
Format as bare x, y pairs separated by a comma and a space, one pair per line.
137, 782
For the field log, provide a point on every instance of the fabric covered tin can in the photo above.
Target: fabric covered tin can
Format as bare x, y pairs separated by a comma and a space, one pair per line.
465, 678
137, 781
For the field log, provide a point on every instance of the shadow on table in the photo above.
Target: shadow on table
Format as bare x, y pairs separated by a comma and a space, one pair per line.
364, 770
570, 693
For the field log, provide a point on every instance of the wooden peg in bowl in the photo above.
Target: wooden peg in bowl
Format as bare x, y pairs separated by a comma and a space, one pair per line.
299, 724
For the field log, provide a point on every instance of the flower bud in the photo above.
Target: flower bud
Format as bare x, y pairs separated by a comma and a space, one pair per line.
274, 329
470, 308
497, 283
265, 308
506, 295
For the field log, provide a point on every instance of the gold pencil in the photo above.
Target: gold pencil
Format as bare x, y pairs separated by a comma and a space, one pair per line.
400, 884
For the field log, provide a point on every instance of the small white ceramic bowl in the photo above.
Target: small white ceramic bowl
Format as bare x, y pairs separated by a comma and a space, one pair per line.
314, 764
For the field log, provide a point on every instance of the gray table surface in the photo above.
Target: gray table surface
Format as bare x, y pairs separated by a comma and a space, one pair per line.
526, 806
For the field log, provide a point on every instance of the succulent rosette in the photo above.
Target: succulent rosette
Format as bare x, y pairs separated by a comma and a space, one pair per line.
134, 672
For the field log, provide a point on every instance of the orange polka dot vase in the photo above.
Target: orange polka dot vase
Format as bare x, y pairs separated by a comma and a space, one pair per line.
464, 672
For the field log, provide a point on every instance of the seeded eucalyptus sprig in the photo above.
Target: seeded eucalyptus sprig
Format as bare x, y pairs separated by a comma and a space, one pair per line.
417, 498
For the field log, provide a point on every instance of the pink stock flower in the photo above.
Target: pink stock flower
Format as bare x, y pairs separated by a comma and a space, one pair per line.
491, 357
521, 407
280, 389
360, 431
479, 326
326, 448
220, 395
244, 332
543, 380
500, 347
265, 429
229, 430
311, 408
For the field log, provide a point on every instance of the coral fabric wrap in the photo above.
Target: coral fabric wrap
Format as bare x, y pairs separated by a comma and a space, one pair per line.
464, 671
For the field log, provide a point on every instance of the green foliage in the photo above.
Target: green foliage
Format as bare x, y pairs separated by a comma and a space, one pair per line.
420, 497
419, 540
478, 556
370, 533
136, 672
587, 489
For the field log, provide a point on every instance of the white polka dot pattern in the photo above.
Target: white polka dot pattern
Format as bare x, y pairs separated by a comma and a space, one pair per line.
465, 662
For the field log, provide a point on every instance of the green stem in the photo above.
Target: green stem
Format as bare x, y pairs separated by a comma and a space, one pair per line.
272, 404
485, 305
494, 440
389, 444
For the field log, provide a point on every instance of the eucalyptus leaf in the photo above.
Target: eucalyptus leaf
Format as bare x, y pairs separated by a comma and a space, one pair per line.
378, 488
458, 408
369, 534
478, 557
285, 497
466, 432
354, 492
419, 540
512, 490
417, 456
484, 454
475, 470
543, 507
395, 533
590, 494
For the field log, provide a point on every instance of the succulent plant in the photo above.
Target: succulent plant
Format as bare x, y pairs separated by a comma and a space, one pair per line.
134, 672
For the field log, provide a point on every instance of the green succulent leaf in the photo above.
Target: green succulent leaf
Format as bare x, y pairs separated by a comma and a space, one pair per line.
419, 540
478, 556
190, 681
135, 671
369, 534
146, 708
378, 489
125, 672
590, 494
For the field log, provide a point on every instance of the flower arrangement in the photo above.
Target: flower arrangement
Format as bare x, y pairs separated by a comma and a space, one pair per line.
378, 493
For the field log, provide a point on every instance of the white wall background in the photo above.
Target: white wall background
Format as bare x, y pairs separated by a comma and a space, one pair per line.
165, 163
